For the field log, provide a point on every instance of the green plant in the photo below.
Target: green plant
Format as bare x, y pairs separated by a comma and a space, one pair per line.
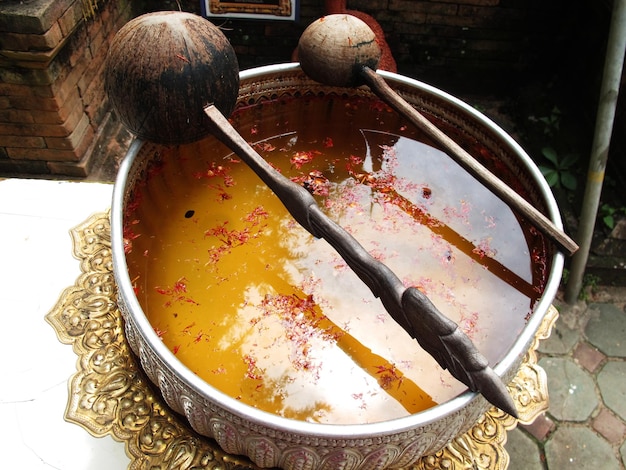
560, 171
551, 123
590, 283
608, 214
480, 108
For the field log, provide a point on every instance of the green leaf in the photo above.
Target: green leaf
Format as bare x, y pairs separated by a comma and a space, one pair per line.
609, 221
545, 119
551, 155
568, 160
607, 209
552, 177
568, 180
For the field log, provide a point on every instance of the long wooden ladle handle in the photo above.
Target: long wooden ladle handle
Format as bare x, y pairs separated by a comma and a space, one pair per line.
438, 335
380, 87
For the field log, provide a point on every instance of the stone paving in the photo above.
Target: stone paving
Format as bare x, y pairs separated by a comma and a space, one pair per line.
585, 362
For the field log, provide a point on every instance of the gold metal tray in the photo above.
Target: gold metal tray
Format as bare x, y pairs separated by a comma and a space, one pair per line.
109, 394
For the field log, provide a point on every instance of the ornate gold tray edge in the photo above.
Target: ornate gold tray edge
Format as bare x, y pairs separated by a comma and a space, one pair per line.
110, 395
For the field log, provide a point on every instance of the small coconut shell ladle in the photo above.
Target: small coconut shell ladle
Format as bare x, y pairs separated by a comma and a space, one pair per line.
172, 76
341, 50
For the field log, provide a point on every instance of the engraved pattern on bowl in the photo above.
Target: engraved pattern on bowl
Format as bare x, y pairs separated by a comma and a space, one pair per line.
271, 441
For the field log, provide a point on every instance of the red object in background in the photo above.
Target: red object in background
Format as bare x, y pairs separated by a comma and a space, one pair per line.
387, 62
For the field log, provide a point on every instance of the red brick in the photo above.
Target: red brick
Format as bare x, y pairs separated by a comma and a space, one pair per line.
10, 76
588, 356
489, 45
46, 130
430, 8
39, 19
123, 11
45, 91
368, 5
73, 140
95, 94
36, 60
97, 114
34, 102
62, 114
83, 143
23, 167
79, 39
60, 90
48, 155
456, 20
75, 116
71, 17
55, 99
60, 69
16, 115
11, 89
77, 145
94, 26
71, 79
106, 16
93, 72
78, 169
98, 42
33, 42
33, 76
21, 141
540, 428
611, 427
410, 24
500, 17
50, 117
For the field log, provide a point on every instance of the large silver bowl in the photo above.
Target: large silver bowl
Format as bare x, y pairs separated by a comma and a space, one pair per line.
273, 441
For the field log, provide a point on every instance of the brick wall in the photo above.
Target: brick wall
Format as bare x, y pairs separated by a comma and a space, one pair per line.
52, 102
493, 40
470, 38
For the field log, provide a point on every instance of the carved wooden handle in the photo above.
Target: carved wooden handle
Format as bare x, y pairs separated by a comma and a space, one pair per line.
378, 85
438, 335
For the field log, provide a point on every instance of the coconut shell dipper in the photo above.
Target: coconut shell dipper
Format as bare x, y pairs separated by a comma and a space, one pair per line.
172, 76
341, 50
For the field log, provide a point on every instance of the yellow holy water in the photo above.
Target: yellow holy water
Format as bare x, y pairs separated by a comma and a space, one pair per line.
271, 316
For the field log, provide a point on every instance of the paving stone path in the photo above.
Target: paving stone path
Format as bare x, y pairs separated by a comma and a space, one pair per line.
585, 362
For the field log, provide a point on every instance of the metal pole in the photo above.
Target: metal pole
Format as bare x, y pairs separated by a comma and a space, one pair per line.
611, 79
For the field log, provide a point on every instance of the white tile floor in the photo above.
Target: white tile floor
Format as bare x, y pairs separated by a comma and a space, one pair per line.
36, 265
